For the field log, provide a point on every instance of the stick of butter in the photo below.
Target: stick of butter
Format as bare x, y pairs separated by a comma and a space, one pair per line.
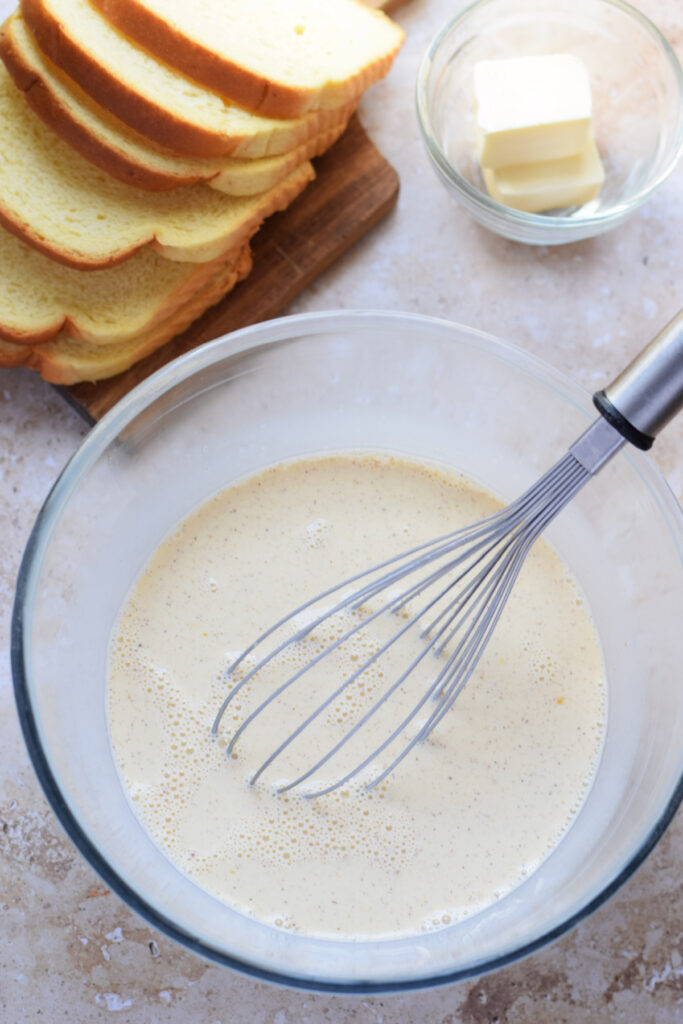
548, 184
531, 108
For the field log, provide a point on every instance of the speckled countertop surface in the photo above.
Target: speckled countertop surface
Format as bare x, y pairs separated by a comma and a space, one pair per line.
69, 949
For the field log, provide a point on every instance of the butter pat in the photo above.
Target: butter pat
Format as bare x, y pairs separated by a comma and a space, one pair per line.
531, 109
549, 184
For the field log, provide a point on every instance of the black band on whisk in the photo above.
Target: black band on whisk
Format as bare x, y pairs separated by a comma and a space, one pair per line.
615, 419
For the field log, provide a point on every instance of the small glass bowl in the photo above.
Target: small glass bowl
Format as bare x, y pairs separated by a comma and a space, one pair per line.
637, 88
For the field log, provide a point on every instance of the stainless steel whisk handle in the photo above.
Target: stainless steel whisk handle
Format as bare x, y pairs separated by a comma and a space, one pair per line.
649, 392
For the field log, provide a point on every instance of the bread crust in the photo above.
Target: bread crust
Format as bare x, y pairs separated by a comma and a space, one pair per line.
66, 350
226, 77
212, 237
12, 356
26, 233
197, 277
62, 359
151, 120
56, 116
237, 84
71, 371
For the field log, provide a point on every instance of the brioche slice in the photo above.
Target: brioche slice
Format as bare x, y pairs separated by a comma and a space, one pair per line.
108, 143
66, 360
153, 99
12, 356
41, 299
81, 216
281, 58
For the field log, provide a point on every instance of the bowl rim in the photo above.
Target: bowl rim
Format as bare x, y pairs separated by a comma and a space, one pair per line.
237, 342
544, 224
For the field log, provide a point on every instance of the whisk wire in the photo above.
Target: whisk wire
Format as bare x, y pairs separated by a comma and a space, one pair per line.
467, 663
483, 617
433, 543
389, 606
458, 658
525, 540
495, 549
430, 692
462, 664
356, 599
432, 646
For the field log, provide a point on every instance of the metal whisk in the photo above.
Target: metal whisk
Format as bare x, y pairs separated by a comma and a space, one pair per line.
462, 580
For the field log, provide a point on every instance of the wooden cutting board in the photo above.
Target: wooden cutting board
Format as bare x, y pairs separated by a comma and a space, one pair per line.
355, 187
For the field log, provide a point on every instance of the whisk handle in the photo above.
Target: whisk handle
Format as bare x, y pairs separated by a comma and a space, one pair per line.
649, 392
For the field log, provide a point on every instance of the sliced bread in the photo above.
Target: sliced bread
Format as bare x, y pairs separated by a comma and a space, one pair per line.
108, 143
61, 204
41, 299
68, 360
153, 99
281, 58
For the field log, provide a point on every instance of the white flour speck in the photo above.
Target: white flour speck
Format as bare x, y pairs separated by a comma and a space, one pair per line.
112, 1001
668, 971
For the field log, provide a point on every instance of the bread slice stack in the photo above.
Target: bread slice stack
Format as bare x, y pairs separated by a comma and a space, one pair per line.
145, 143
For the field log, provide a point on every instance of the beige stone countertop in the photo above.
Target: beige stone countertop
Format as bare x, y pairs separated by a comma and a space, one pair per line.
69, 949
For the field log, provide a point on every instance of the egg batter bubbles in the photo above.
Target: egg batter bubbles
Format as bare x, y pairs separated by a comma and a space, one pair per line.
469, 813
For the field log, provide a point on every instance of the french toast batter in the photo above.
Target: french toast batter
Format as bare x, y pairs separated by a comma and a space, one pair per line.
466, 817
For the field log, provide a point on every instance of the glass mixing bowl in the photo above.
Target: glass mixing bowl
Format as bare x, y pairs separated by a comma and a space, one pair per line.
637, 90
332, 382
